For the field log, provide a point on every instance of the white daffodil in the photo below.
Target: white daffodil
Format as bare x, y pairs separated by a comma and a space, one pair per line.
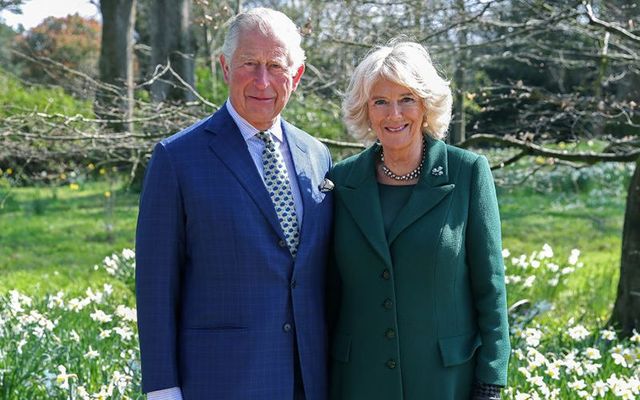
592, 353
578, 332
126, 313
91, 353
100, 316
608, 334
63, 377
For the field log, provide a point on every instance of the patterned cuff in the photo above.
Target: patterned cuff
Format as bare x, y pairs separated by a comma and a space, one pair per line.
485, 391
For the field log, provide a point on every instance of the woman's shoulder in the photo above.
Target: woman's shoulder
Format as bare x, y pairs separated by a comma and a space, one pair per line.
462, 156
343, 168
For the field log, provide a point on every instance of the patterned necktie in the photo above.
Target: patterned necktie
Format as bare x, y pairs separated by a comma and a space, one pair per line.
276, 180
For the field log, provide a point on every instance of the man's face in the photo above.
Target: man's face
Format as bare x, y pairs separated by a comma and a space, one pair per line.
259, 78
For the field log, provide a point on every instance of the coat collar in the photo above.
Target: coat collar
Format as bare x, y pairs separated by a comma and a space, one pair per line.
361, 196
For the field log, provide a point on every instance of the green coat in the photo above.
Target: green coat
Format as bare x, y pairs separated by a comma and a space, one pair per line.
421, 314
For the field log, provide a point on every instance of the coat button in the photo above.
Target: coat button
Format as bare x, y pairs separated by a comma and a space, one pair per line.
293, 284
391, 363
387, 304
390, 334
282, 243
386, 275
287, 327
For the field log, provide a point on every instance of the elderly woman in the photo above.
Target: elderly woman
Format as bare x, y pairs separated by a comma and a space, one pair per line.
416, 294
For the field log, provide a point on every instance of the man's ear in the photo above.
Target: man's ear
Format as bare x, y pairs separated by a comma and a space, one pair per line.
297, 76
225, 68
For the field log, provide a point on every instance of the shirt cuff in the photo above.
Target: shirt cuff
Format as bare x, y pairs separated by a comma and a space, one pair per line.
173, 393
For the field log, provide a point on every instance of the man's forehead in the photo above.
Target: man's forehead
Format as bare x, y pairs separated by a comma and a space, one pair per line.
259, 45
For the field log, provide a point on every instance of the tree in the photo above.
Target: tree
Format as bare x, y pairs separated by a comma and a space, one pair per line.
116, 61
72, 41
171, 42
11, 6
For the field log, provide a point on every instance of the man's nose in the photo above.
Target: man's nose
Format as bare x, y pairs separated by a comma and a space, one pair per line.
261, 77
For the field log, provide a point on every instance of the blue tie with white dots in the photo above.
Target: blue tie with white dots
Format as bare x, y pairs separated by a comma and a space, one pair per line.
276, 180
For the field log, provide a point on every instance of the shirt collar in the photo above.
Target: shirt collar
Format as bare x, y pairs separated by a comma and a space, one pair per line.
247, 130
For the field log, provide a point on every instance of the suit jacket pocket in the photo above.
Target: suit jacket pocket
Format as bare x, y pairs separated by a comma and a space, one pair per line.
456, 350
341, 347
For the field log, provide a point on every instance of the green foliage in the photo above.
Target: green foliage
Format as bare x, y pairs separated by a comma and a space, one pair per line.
16, 96
73, 41
211, 88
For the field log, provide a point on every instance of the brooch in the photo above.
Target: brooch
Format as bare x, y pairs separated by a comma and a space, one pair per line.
437, 171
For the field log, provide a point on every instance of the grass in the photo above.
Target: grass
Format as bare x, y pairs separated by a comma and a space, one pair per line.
52, 236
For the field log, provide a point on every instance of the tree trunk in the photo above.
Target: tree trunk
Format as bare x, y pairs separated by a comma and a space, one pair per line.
171, 41
626, 312
458, 130
116, 62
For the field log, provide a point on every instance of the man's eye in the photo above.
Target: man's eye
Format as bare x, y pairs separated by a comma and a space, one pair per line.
276, 66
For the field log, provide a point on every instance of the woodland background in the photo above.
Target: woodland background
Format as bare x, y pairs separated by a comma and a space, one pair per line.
548, 90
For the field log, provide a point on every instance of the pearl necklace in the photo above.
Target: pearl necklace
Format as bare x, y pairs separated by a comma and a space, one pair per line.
411, 175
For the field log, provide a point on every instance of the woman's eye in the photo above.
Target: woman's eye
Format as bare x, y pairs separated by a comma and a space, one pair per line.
408, 100
379, 102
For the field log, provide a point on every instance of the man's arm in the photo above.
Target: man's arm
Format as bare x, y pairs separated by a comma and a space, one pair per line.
159, 256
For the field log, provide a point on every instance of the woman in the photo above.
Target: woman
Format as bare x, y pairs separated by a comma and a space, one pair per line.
417, 295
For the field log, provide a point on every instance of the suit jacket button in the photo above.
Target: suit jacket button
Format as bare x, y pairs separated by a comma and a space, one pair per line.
282, 243
386, 275
286, 327
391, 363
387, 304
390, 334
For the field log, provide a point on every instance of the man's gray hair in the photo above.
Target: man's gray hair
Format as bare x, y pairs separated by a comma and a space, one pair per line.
269, 22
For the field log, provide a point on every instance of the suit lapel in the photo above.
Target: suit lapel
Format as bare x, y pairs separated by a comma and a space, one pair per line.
361, 197
229, 146
302, 164
432, 187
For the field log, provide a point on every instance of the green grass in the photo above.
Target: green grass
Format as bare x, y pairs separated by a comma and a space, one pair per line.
52, 236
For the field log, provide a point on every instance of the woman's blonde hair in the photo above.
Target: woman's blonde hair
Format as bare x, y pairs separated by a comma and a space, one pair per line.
404, 63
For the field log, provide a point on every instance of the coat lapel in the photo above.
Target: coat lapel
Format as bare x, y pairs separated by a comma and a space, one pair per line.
302, 164
361, 197
432, 187
229, 146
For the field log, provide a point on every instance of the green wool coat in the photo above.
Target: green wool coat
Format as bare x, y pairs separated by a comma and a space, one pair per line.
420, 314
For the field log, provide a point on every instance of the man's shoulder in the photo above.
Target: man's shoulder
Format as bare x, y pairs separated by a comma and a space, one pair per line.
302, 136
187, 135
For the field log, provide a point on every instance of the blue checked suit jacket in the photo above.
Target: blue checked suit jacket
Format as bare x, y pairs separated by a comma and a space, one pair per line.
215, 286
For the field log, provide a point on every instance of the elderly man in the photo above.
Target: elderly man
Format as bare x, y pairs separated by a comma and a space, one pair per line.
232, 237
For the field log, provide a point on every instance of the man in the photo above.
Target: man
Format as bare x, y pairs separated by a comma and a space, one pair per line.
232, 237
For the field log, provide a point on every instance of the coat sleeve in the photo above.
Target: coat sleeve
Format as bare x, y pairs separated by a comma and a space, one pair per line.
484, 257
159, 258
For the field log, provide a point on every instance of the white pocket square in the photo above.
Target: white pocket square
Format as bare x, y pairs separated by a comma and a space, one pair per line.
326, 185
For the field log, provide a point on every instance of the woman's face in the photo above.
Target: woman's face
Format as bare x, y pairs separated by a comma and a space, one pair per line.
395, 115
